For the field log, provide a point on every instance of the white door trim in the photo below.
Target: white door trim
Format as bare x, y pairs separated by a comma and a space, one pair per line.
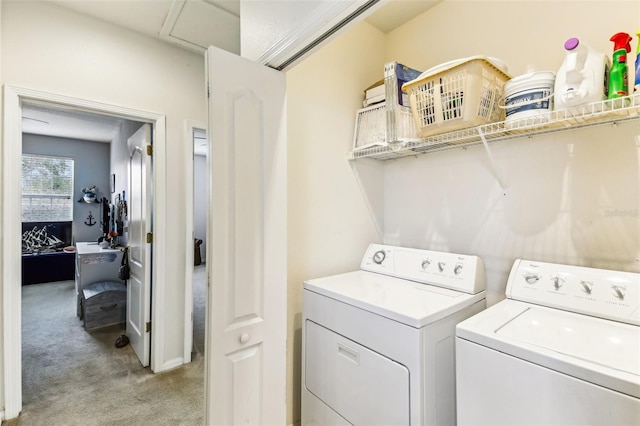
190, 127
10, 237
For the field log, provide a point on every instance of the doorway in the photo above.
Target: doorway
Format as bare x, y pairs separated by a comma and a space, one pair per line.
14, 99
197, 214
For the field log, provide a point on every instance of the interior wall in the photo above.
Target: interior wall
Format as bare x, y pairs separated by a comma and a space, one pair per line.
329, 226
569, 198
51, 49
521, 33
200, 202
91, 167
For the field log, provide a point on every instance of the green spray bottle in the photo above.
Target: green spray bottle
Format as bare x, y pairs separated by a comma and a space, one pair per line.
618, 79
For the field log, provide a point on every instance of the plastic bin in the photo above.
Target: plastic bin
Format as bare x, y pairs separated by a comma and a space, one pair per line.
371, 126
457, 95
388, 122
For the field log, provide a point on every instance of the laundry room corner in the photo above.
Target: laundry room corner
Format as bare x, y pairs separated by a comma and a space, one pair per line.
329, 224
560, 197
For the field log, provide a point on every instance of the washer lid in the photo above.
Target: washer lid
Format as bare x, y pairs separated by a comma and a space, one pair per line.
592, 349
606, 343
408, 302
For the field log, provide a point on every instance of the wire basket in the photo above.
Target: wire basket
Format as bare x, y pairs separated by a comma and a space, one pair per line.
457, 95
371, 126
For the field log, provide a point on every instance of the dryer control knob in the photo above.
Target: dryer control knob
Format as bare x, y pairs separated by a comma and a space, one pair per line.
457, 269
531, 278
425, 264
379, 256
618, 291
441, 266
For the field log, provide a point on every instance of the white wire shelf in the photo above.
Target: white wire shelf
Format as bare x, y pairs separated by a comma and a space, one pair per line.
595, 114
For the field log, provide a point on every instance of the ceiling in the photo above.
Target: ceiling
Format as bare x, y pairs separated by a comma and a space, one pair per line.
185, 23
66, 123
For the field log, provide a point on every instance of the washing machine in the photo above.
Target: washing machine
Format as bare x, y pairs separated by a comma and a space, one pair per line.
562, 349
378, 343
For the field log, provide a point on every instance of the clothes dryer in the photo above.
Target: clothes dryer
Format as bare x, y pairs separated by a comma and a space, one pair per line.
562, 349
378, 343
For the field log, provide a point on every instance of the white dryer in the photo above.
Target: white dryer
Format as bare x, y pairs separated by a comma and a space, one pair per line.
562, 349
378, 343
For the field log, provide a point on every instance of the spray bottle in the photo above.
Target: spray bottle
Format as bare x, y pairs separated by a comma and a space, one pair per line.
637, 83
618, 78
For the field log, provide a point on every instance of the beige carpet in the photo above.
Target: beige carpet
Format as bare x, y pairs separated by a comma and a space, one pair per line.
72, 377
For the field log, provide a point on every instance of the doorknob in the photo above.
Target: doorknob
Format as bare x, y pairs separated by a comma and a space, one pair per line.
244, 337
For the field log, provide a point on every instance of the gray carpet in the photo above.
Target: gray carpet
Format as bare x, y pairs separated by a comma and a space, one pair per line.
74, 377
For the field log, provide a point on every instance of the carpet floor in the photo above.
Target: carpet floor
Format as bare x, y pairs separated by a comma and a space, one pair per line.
74, 377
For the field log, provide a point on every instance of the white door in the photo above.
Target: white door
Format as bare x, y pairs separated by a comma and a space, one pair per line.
139, 209
246, 313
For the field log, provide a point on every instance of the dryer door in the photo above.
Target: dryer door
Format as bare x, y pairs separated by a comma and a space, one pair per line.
364, 387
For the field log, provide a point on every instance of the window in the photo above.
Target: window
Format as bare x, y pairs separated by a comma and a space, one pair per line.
47, 188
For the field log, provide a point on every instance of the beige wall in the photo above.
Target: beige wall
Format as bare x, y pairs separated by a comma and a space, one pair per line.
329, 224
521, 33
565, 194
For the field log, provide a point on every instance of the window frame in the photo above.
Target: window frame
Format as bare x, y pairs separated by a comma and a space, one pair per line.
30, 196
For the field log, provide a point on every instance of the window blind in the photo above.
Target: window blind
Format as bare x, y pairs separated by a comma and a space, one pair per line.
47, 188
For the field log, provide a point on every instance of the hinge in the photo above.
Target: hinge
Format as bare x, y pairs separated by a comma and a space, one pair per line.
148, 327
150, 150
208, 91
149, 237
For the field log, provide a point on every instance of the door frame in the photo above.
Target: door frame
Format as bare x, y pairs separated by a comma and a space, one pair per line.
190, 126
10, 176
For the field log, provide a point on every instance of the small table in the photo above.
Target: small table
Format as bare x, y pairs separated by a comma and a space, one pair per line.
95, 264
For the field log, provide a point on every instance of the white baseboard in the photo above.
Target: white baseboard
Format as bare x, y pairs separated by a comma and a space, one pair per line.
173, 363
296, 423
1, 416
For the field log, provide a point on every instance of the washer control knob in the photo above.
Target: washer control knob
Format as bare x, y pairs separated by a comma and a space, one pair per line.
425, 264
587, 286
557, 282
457, 269
379, 256
531, 278
618, 291
441, 266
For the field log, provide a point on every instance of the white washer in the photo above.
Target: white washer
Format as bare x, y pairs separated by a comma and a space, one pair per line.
378, 343
562, 349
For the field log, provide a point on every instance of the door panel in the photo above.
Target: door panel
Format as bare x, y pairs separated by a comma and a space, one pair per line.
244, 366
247, 299
246, 200
139, 211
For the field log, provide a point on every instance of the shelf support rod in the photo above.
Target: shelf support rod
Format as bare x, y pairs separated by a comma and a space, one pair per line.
491, 160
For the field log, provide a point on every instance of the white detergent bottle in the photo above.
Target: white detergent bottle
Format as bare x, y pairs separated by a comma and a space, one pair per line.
582, 78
